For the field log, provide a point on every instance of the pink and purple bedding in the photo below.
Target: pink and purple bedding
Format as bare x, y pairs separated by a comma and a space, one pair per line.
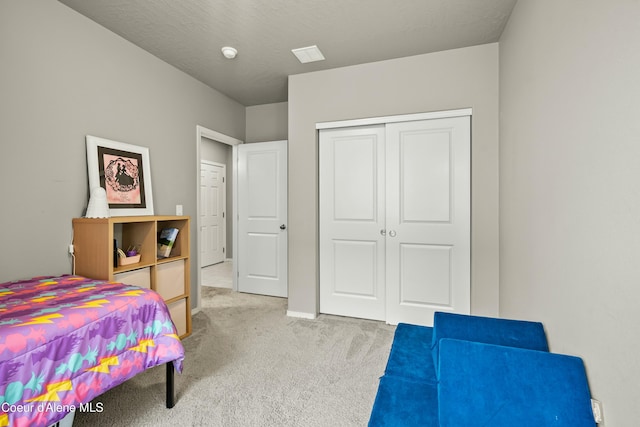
65, 340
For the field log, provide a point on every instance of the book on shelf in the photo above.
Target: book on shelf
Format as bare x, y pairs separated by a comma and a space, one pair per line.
166, 240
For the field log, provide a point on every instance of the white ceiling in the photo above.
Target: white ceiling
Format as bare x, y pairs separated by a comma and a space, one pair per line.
189, 34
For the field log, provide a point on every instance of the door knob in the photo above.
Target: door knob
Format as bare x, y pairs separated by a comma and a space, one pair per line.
283, 227
392, 233
383, 232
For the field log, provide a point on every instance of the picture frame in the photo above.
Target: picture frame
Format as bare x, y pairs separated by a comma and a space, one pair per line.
124, 171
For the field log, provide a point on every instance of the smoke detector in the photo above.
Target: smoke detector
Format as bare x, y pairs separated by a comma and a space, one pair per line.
308, 54
229, 52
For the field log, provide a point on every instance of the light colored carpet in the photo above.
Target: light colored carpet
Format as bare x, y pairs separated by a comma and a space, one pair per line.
248, 364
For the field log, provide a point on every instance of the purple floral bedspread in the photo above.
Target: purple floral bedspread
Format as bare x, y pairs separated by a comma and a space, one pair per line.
65, 340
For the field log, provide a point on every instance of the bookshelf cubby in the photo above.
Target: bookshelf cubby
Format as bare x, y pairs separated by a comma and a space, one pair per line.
93, 242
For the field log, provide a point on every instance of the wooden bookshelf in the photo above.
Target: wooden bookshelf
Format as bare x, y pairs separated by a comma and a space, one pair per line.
93, 242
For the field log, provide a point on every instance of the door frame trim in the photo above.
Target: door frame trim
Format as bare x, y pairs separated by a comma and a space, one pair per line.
395, 119
216, 136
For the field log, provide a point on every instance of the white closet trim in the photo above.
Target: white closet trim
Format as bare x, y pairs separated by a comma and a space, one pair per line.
395, 119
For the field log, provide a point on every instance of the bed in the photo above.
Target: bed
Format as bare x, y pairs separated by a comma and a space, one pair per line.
65, 340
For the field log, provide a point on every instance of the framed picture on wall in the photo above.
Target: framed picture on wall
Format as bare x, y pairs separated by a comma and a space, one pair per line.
124, 172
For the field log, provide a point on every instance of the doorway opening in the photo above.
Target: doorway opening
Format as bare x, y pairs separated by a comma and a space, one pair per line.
218, 275
217, 148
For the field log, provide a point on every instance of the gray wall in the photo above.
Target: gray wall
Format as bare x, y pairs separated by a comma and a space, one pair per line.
440, 81
267, 122
570, 186
63, 77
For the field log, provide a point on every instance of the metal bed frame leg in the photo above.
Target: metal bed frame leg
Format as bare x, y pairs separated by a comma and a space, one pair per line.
171, 397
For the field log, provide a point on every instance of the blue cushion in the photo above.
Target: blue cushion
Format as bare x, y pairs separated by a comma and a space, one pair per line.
410, 355
512, 333
402, 402
498, 386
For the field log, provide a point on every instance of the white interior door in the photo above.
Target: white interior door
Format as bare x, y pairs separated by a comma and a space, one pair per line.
351, 220
428, 219
262, 218
395, 220
212, 213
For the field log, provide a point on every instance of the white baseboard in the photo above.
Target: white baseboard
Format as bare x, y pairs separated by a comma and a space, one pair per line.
301, 315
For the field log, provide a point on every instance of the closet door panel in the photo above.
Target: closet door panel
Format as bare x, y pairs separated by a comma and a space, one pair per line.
427, 219
354, 177
355, 264
351, 219
425, 183
425, 275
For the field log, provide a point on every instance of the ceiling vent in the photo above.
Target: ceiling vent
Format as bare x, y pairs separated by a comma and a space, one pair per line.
308, 54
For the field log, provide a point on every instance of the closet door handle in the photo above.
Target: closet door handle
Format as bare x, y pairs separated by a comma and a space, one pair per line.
383, 232
392, 233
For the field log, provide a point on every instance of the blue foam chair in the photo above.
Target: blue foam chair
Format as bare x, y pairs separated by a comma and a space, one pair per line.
479, 371
488, 330
490, 385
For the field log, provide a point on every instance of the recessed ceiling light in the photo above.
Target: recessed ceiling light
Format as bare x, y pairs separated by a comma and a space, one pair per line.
308, 54
229, 52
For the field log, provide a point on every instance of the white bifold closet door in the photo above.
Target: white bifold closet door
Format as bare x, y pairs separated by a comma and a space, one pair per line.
395, 220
